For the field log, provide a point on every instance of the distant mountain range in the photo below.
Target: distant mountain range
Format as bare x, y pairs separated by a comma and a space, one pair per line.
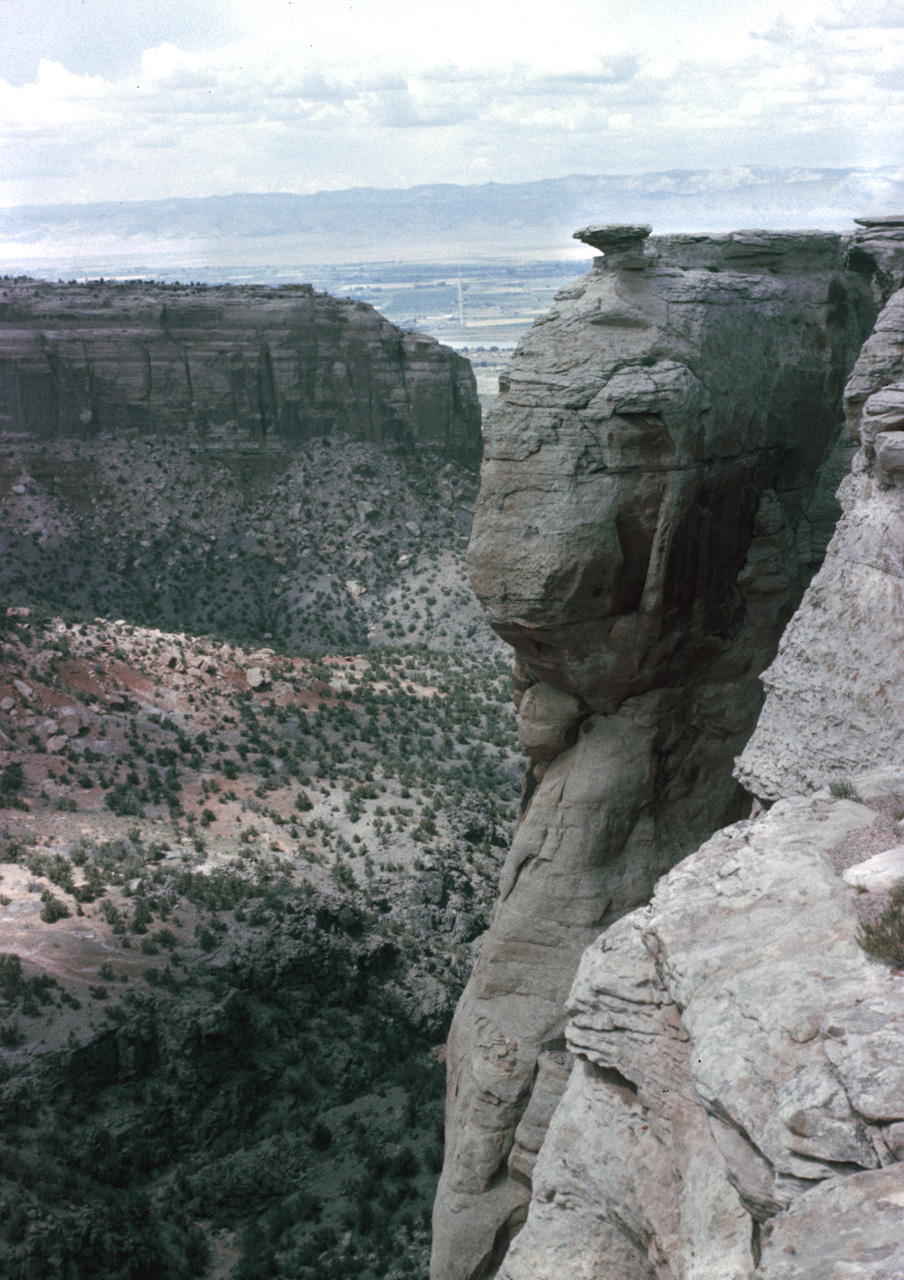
527, 220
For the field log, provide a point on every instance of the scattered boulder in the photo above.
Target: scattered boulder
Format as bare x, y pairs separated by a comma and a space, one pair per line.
257, 678
70, 723
879, 873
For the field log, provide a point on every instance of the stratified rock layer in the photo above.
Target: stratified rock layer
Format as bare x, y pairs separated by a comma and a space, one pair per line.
738, 1088
835, 693
641, 539
230, 365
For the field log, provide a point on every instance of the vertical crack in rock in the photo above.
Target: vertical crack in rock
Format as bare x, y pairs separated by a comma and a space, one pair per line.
642, 537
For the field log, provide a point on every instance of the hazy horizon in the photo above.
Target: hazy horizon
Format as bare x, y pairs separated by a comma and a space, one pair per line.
276, 237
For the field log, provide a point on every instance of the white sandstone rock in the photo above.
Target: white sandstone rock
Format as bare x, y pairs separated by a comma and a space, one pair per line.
845, 1229
835, 692
639, 539
879, 873
737, 1055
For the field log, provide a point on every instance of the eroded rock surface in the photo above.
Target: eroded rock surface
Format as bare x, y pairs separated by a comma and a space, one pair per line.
642, 536
835, 693
230, 364
738, 1076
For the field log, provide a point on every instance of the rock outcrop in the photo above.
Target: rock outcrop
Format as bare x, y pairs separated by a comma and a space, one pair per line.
736, 1104
230, 365
643, 534
835, 693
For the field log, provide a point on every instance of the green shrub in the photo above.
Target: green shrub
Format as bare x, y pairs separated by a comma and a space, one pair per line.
321, 1138
53, 909
884, 938
12, 779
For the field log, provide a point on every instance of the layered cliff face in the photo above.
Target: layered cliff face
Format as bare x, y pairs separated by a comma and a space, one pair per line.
228, 365
645, 528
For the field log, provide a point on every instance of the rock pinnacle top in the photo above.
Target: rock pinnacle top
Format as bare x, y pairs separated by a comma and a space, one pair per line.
609, 236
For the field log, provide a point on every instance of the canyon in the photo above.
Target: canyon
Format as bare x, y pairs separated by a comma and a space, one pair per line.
656, 494
213, 503
676, 1055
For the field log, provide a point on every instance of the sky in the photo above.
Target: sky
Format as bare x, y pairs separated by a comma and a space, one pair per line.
101, 100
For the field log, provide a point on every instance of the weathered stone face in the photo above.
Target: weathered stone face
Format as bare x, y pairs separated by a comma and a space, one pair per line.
230, 365
638, 428
643, 533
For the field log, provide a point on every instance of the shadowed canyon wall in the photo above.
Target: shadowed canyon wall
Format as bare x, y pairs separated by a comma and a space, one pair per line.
229, 366
653, 503
835, 694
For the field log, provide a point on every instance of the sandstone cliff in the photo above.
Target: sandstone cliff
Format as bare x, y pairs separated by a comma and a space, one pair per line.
643, 534
230, 365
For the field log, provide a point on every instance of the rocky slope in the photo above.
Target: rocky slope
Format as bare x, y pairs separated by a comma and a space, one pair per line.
136, 481
239, 895
336, 544
643, 533
227, 366
225, 864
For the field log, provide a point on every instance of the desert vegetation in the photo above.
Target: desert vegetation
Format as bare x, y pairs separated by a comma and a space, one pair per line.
241, 891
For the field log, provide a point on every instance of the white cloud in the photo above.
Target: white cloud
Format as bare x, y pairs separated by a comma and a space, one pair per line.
303, 95
860, 14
